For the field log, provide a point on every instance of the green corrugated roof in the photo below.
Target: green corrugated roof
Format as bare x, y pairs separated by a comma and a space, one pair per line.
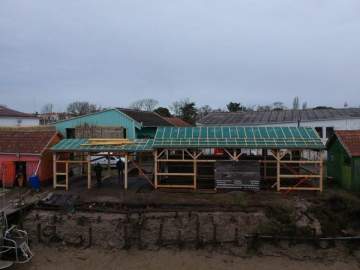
76, 145
239, 137
208, 137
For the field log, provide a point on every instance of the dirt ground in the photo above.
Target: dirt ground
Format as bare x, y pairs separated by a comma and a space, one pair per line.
94, 259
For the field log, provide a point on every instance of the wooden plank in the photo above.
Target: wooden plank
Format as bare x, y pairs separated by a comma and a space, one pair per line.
60, 185
175, 186
156, 169
278, 170
195, 174
299, 176
54, 170
186, 160
126, 173
60, 173
88, 171
67, 176
187, 151
300, 188
161, 153
321, 171
71, 161
301, 161
141, 172
230, 155
176, 174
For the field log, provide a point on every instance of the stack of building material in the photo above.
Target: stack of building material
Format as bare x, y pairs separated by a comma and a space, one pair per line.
95, 142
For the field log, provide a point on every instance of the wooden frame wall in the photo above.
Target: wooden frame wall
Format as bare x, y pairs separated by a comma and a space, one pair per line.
301, 178
192, 156
56, 173
195, 157
187, 156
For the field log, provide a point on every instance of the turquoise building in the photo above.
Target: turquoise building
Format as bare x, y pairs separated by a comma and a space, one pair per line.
137, 124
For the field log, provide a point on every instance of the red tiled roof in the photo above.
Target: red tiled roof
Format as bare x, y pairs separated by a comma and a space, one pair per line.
177, 122
350, 139
25, 140
6, 112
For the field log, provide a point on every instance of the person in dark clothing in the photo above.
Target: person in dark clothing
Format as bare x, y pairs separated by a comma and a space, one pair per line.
98, 172
120, 167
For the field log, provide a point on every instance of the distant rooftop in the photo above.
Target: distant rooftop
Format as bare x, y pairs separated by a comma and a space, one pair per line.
177, 122
25, 140
148, 119
7, 112
350, 139
278, 116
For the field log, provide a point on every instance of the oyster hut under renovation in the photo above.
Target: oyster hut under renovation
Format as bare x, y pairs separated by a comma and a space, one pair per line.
212, 157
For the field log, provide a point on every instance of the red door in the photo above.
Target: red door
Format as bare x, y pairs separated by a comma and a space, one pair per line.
8, 173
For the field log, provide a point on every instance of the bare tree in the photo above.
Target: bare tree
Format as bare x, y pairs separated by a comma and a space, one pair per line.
263, 108
304, 105
203, 111
278, 106
82, 107
296, 103
47, 108
176, 106
146, 104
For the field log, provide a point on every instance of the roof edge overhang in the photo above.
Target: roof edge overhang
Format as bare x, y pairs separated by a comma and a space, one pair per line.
19, 153
342, 143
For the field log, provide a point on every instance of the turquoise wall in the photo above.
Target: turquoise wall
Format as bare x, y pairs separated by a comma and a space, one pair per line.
113, 118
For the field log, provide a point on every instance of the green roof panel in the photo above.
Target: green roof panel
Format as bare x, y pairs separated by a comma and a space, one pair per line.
239, 137
208, 137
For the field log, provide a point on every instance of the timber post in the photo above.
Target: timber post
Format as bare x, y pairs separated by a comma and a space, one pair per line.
54, 171
89, 171
126, 172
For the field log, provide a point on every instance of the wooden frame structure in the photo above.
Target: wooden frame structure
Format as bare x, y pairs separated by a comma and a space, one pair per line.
67, 163
163, 156
83, 159
301, 177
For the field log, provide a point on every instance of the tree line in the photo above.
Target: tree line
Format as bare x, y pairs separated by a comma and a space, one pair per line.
186, 109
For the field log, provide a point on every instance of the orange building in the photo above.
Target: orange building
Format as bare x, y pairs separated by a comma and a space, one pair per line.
24, 152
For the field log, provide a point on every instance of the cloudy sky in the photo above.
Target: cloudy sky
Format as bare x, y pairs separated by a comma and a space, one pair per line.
212, 51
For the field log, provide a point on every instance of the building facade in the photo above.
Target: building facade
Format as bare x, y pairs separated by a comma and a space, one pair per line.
25, 151
136, 124
12, 118
344, 159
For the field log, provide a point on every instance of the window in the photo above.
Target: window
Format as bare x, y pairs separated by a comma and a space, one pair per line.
319, 130
70, 133
329, 132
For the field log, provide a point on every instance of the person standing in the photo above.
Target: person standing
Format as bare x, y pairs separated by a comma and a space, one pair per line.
120, 167
98, 172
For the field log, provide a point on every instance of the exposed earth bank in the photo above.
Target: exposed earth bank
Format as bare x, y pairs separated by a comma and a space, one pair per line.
99, 259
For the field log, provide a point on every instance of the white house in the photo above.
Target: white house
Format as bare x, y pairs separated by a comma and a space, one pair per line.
12, 118
325, 121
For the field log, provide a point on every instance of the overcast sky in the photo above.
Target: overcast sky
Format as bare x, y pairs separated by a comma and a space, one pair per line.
115, 52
